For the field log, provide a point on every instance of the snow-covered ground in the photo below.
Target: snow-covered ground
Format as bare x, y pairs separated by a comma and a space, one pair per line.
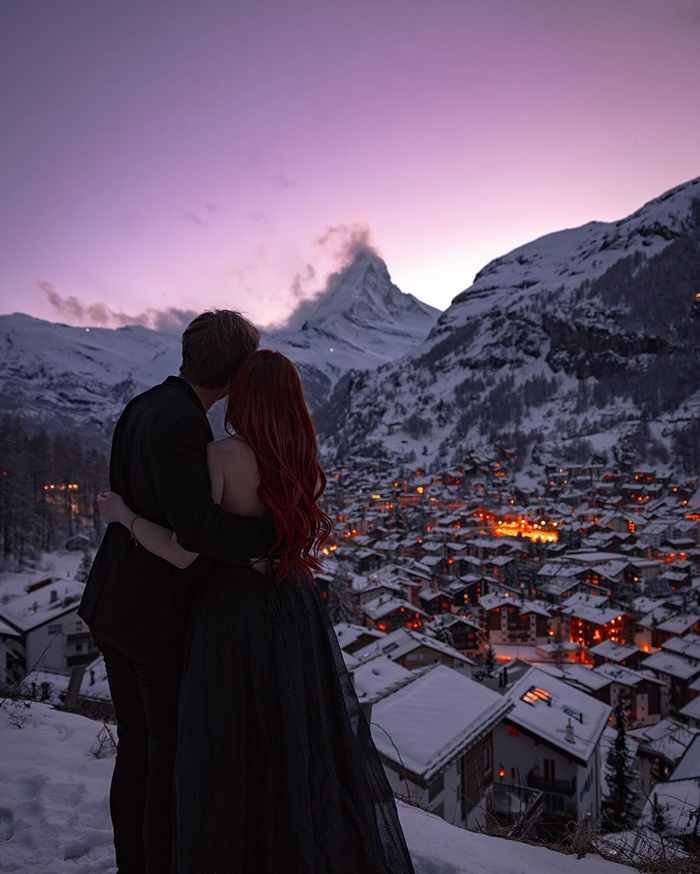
58, 565
54, 814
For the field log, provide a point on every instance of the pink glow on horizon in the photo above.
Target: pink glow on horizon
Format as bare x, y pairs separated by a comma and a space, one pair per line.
191, 155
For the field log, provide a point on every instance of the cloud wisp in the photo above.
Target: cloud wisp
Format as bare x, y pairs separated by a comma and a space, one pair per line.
76, 312
339, 246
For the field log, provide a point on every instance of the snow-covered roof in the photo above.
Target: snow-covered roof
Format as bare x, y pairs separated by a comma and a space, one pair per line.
36, 608
616, 652
688, 645
7, 630
373, 679
624, 676
680, 623
668, 738
591, 608
347, 633
674, 665
689, 765
405, 640
545, 706
434, 718
582, 675
692, 709
382, 606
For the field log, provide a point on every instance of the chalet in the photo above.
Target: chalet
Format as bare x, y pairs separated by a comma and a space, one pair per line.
550, 741
387, 614
411, 649
364, 591
504, 568
460, 632
678, 625
691, 711
49, 631
676, 580
647, 634
608, 651
434, 601
366, 560
643, 693
77, 543
590, 619
677, 673
661, 748
466, 590
434, 735
485, 548
688, 646
513, 620
354, 637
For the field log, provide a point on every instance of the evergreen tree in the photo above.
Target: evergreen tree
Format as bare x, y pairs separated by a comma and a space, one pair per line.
83, 571
619, 806
339, 602
490, 660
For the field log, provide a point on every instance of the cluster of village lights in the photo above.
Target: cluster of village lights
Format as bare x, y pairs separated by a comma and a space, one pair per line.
72, 487
328, 549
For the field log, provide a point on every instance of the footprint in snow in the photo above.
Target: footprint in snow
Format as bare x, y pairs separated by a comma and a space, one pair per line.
6, 828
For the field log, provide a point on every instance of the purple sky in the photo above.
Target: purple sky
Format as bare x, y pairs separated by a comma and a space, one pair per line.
192, 154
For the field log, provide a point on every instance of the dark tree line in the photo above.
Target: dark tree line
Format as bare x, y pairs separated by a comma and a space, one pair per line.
38, 510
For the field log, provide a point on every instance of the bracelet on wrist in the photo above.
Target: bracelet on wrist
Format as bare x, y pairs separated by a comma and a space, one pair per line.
131, 528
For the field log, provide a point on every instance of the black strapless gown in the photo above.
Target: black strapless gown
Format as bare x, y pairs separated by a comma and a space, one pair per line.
276, 769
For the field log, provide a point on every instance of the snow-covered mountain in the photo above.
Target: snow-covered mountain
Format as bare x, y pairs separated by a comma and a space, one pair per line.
71, 376
67, 377
583, 341
360, 321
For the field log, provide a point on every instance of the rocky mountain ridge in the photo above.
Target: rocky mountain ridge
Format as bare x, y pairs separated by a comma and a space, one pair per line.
584, 342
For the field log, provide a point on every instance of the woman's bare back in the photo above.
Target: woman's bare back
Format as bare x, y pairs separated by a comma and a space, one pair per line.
234, 474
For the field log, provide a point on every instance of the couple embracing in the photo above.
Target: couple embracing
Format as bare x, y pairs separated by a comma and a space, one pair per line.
242, 748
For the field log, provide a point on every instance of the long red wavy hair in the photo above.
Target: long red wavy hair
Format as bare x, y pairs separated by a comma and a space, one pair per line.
266, 407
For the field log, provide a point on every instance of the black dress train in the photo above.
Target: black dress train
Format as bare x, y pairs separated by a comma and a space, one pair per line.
276, 770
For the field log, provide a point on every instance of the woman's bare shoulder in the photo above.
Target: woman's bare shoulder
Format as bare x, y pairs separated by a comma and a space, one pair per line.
232, 449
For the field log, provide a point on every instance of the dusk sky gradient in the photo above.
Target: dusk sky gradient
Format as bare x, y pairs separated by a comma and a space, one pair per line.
169, 154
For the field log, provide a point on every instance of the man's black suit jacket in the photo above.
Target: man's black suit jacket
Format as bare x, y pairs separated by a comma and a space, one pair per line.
159, 465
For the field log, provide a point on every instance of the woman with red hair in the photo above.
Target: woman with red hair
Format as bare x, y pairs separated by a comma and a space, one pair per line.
276, 770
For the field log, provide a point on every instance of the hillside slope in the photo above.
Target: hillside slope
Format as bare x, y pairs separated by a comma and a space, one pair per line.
55, 769
585, 341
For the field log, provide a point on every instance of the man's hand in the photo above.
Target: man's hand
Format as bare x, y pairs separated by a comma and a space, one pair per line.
113, 509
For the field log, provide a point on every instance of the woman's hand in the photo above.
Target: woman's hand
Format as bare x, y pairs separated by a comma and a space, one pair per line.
113, 509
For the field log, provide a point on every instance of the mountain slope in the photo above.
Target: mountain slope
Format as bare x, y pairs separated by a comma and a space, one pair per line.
583, 341
68, 376
71, 376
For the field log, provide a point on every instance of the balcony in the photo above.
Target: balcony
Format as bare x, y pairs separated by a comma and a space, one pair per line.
512, 805
78, 636
548, 784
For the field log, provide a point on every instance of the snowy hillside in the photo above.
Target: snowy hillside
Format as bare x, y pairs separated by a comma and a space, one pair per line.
67, 376
583, 341
73, 376
54, 815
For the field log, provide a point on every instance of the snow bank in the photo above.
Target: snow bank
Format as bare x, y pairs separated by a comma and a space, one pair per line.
54, 814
